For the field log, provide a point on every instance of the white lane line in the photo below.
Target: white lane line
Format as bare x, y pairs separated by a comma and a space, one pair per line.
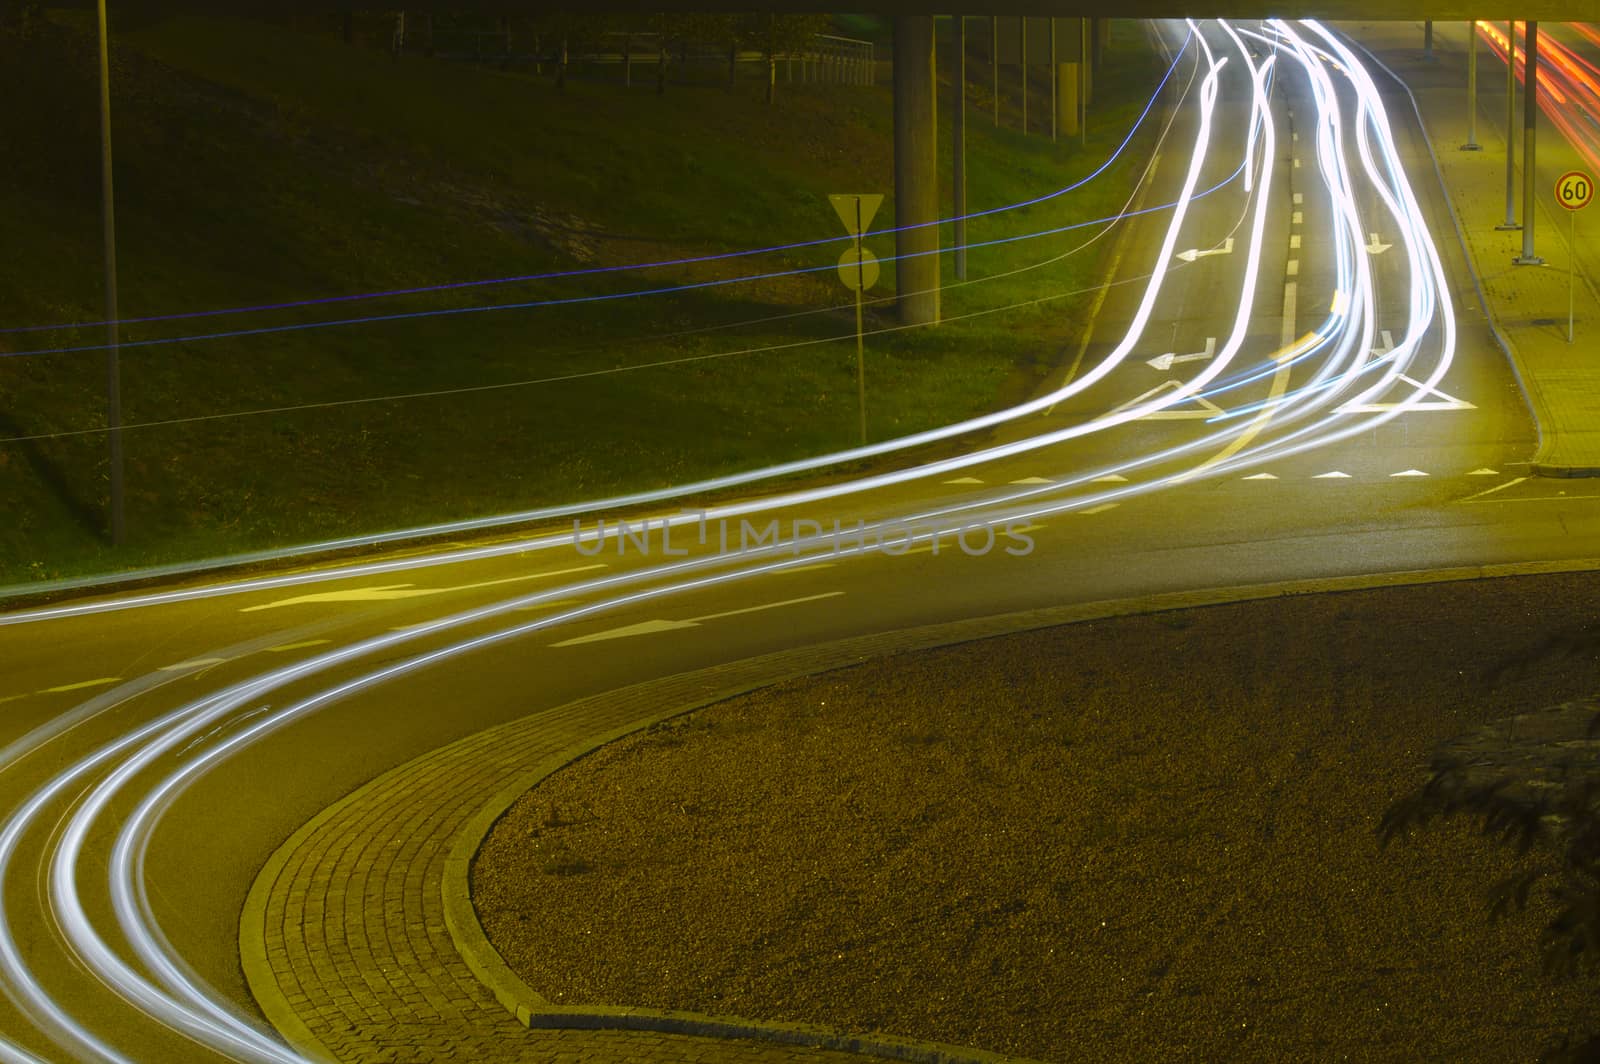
557, 604
1333, 475
193, 663
11, 698
1485, 471
964, 480
651, 627
1291, 299
1259, 476
813, 567
1294, 242
285, 648
1294, 268
1563, 497
1298, 199
1297, 218
1033, 480
1409, 473
1297, 164
1102, 508
102, 682
1497, 487
1110, 478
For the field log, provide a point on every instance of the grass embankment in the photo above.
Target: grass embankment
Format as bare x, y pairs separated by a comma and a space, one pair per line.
256, 165
1147, 838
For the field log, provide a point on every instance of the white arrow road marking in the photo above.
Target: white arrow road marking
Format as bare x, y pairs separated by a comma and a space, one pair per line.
1196, 253
404, 591
1376, 248
651, 627
964, 480
1259, 476
1484, 472
1204, 407
1164, 362
1334, 475
1409, 473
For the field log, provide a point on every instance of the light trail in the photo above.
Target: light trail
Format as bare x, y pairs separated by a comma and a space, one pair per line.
181, 745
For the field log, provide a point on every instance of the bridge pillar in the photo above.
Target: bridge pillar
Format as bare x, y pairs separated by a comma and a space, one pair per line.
916, 172
1067, 97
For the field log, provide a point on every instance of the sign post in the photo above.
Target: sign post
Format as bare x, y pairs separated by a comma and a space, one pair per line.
858, 269
1574, 190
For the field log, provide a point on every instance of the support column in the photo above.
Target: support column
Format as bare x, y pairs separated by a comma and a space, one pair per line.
1530, 127
1067, 97
1511, 128
1055, 112
1472, 89
1427, 40
994, 61
959, 136
916, 172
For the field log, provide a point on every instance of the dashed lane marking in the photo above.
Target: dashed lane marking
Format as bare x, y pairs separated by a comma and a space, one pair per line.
1033, 480
285, 648
1409, 473
1498, 487
195, 663
651, 627
1259, 476
102, 682
1484, 472
964, 480
1332, 475
1102, 508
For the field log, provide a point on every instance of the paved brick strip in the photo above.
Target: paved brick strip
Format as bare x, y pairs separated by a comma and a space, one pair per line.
344, 939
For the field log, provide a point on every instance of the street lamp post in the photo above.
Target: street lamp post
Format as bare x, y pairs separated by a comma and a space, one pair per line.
1472, 89
1530, 128
109, 227
1511, 128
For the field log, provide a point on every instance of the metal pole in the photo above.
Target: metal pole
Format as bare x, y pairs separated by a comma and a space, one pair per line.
994, 61
1511, 128
1053, 108
959, 135
861, 355
1083, 84
1022, 20
1427, 40
1572, 265
1472, 89
1530, 127
109, 225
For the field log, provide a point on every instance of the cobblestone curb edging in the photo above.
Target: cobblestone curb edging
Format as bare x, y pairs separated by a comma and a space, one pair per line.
533, 1010
347, 946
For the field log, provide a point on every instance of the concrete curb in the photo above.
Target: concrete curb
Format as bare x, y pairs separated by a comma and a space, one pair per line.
533, 1010
1532, 396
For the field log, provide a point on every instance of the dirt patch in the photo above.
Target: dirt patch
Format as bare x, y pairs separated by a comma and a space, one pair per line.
1137, 839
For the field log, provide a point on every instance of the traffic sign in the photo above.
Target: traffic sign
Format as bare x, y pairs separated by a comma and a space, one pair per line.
1574, 190
858, 267
856, 220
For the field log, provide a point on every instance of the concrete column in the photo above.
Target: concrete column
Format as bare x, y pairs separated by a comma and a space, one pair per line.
1530, 127
916, 171
959, 136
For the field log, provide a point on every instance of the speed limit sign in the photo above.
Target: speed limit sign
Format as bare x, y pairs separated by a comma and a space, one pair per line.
1574, 190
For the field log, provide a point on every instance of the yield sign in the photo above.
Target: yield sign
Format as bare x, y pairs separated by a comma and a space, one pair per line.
846, 205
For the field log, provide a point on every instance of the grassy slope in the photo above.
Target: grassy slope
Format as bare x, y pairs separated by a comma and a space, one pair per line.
257, 165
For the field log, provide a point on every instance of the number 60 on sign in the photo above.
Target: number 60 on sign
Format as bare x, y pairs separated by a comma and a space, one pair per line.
1574, 190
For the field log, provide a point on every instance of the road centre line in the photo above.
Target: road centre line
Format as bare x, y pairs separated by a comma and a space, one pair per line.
1293, 269
389, 592
193, 663
1294, 242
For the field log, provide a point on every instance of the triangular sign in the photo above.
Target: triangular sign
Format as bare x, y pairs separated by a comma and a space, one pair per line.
845, 205
1203, 408
1440, 401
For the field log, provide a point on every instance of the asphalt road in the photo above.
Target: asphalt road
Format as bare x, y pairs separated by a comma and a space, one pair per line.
1375, 489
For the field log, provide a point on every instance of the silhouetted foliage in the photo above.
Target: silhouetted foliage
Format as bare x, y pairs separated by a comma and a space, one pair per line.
1532, 783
